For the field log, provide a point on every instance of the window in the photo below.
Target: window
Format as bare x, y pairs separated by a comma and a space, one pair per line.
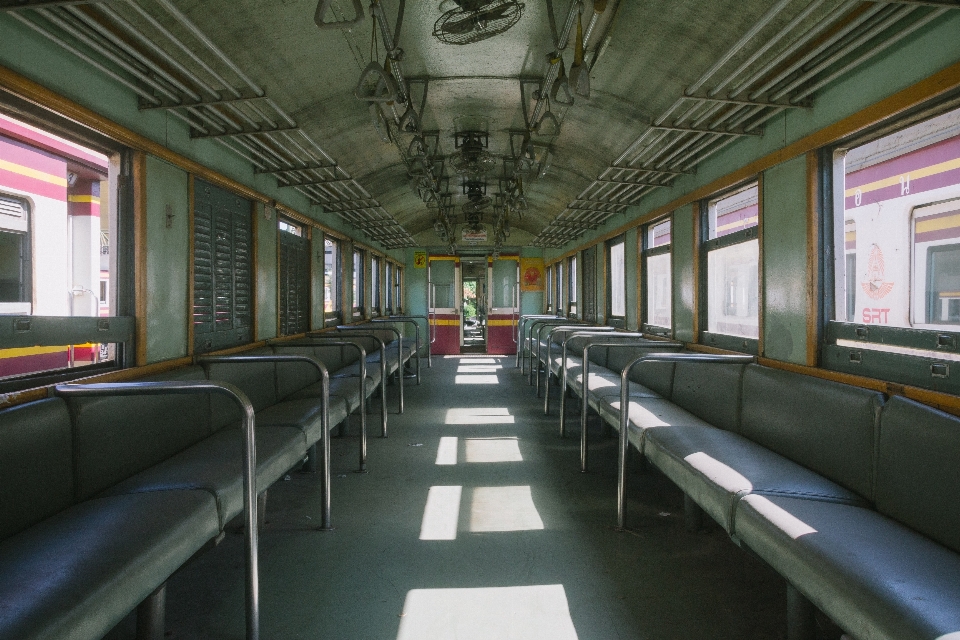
549, 301
375, 300
331, 281
294, 278
388, 289
657, 303
358, 283
55, 263
616, 282
222, 259
16, 269
558, 287
896, 225
572, 287
732, 256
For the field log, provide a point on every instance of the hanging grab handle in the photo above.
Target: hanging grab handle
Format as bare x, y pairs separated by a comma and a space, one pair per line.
323, 7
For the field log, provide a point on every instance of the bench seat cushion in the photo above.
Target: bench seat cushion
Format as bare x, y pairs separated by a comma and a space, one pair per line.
77, 574
305, 414
717, 468
874, 576
216, 465
645, 414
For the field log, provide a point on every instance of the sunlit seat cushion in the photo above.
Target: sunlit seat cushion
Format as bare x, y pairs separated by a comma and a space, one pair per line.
646, 414
717, 468
874, 576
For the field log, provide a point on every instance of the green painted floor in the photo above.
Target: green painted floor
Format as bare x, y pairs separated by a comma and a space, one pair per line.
504, 540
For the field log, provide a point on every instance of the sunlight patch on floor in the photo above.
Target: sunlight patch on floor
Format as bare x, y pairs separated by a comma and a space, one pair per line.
479, 415
503, 509
447, 451
538, 612
485, 368
493, 450
441, 514
476, 379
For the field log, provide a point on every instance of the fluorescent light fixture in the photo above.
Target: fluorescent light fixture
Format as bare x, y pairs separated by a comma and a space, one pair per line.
479, 415
537, 612
493, 450
503, 509
476, 379
441, 514
447, 451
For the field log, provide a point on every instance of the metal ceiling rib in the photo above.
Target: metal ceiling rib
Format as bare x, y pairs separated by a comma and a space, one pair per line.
172, 65
702, 121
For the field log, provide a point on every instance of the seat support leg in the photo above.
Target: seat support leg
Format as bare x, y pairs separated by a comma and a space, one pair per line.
692, 514
311, 466
801, 624
151, 614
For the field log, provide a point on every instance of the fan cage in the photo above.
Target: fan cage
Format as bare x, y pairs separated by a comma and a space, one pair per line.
461, 27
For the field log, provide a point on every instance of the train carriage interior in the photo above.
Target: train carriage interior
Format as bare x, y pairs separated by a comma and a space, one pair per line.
479, 319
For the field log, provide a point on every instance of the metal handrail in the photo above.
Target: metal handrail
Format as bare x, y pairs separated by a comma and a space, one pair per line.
640, 341
595, 331
416, 325
249, 462
363, 387
535, 327
549, 355
396, 332
625, 413
521, 341
553, 328
330, 341
524, 341
324, 416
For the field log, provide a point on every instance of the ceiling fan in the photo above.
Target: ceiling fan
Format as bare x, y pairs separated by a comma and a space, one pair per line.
475, 20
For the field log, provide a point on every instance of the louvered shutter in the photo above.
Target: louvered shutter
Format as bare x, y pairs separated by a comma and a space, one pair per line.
222, 268
294, 284
589, 301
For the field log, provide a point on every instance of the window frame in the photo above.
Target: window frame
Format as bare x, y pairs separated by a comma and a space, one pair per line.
852, 346
25, 302
646, 252
301, 324
398, 273
359, 283
548, 299
571, 285
707, 245
615, 320
376, 285
334, 316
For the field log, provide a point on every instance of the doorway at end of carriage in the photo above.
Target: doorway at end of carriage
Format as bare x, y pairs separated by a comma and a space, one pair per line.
473, 304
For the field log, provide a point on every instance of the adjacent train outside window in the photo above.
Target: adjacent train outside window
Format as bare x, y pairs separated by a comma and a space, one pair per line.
616, 282
656, 267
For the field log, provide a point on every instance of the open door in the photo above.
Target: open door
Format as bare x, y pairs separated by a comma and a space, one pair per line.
503, 304
445, 292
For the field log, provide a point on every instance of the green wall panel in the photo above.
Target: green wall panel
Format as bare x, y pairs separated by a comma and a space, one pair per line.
266, 272
168, 259
682, 242
415, 288
785, 261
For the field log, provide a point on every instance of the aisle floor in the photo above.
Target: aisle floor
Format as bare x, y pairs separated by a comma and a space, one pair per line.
474, 523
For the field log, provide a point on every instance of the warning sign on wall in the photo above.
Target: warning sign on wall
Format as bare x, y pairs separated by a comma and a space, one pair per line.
531, 274
419, 259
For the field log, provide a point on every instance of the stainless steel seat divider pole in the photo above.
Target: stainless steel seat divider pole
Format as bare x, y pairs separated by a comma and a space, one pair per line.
634, 340
367, 327
549, 362
382, 348
563, 366
416, 326
625, 412
251, 534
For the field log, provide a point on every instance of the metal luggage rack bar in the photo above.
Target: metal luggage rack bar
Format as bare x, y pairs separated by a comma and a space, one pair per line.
784, 71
